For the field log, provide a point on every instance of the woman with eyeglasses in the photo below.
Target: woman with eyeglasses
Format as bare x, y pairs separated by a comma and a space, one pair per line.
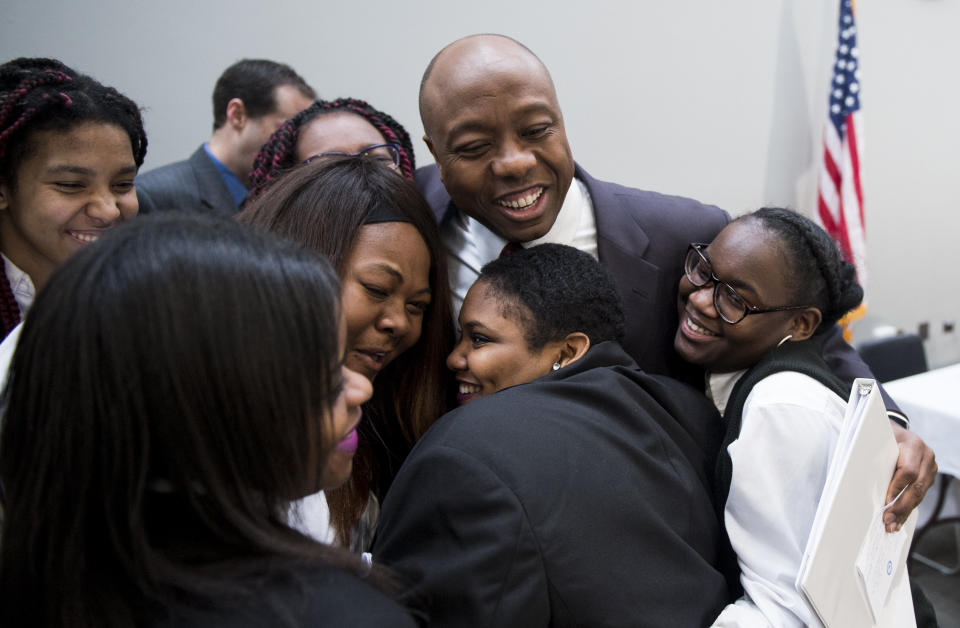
342, 127
753, 305
381, 237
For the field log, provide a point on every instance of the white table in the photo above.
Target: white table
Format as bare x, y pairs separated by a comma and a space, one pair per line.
932, 401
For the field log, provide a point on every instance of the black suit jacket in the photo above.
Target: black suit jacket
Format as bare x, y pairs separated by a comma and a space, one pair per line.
642, 239
579, 499
191, 185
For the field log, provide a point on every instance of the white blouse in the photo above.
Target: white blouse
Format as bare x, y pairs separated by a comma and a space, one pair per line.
780, 461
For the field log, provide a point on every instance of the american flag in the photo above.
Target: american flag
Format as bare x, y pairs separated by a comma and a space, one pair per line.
840, 196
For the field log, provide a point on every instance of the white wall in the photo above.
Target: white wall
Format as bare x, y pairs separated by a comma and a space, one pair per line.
720, 101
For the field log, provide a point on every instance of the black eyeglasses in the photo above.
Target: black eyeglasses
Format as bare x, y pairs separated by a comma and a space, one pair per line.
731, 307
388, 154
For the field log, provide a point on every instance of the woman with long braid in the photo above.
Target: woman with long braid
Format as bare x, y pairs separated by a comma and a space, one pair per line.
753, 304
69, 150
345, 126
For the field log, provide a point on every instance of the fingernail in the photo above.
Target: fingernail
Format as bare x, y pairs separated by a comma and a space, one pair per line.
889, 518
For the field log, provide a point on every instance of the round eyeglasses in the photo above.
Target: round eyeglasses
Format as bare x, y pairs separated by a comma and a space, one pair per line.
388, 154
731, 307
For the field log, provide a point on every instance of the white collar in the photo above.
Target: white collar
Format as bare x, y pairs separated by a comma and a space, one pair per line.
20, 285
720, 387
575, 213
566, 228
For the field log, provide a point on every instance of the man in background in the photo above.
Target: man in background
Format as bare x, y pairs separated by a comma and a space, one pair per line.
251, 99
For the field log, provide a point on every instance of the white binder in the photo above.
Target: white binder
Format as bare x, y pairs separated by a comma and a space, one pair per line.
853, 572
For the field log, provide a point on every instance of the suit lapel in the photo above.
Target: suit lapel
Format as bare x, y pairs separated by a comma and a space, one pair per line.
616, 226
622, 243
211, 190
428, 181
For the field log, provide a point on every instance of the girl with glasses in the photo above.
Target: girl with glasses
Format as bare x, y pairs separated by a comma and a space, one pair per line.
753, 305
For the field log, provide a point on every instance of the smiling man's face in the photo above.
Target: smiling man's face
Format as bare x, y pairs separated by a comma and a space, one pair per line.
496, 131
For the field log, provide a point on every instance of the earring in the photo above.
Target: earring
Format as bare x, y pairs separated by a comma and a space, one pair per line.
785, 338
556, 366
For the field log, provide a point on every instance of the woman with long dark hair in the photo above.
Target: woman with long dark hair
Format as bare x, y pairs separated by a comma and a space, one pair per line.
381, 237
175, 387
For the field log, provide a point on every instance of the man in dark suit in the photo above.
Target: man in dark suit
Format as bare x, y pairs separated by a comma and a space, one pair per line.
504, 175
251, 99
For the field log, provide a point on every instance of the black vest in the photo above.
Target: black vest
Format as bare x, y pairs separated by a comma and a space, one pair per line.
802, 357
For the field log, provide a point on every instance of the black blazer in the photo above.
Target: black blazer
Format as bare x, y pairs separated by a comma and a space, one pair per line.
191, 185
642, 239
582, 498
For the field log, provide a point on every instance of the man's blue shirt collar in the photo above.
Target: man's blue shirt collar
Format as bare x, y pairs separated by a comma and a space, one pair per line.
236, 187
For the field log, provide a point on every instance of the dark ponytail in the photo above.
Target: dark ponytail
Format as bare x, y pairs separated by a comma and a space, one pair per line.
822, 278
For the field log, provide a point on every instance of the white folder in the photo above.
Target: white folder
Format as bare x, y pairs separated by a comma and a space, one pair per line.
853, 572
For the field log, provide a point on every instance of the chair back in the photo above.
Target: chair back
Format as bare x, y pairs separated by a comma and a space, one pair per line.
894, 357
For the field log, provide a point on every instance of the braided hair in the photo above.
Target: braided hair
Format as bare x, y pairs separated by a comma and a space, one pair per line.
43, 94
279, 153
823, 278
39, 94
254, 81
